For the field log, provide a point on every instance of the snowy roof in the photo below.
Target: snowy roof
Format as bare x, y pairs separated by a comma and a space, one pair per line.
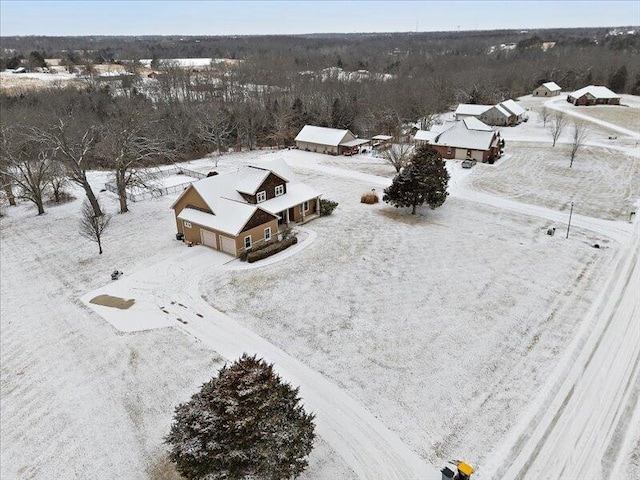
231, 219
296, 194
469, 109
552, 86
426, 135
473, 123
459, 135
322, 135
595, 91
355, 142
231, 211
513, 107
251, 180
503, 110
382, 137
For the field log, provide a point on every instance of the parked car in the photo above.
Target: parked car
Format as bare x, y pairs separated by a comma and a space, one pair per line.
468, 163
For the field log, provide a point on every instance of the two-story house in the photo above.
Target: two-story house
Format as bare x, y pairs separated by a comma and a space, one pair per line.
235, 211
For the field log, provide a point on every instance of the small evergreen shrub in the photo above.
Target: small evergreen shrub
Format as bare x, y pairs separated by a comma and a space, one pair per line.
327, 207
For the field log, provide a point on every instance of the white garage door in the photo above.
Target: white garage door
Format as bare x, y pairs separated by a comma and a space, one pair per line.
228, 245
208, 238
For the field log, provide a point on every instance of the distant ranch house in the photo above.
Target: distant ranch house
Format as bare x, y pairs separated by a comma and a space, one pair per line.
329, 140
502, 114
237, 211
466, 139
549, 89
594, 95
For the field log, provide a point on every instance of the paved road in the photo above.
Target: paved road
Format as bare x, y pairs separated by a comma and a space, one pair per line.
572, 435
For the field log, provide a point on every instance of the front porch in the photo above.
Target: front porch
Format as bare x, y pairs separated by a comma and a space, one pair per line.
299, 214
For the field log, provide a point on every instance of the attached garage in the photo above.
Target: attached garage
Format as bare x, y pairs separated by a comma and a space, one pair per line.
208, 238
228, 245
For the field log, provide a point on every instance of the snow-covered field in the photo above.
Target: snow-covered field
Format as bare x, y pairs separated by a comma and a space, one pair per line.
443, 324
79, 399
447, 326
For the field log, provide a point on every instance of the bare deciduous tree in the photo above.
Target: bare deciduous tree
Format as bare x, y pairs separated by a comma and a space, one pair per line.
281, 127
58, 180
92, 226
398, 155
130, 145
28, 167
556, 127
5, 180
578, 140
544, 115
214, 126
73, 147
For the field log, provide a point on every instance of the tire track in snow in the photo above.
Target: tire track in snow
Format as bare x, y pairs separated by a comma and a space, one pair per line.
573, 432
366, 445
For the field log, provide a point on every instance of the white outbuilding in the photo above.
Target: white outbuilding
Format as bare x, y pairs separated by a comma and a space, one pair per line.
328, 140
548, 89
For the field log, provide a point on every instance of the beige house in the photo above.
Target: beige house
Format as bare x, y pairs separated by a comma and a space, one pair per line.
466, 139
502, 114
236, 211
328, 140
594, 95
549, 89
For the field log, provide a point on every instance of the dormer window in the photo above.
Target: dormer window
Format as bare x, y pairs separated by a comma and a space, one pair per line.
261, 196
279, 190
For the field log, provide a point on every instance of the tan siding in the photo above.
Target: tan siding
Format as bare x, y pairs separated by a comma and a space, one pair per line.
297, 216
316, 147
257, 234
190, 198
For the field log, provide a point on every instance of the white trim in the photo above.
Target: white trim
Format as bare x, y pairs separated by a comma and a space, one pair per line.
268, 229
215, 238
279, 188
261, 196
245, 242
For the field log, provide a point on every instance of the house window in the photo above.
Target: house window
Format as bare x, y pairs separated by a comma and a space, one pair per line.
247, 242
261, 196
187, 224
279, 190
448, 150
468, 153
267, 234
304, 207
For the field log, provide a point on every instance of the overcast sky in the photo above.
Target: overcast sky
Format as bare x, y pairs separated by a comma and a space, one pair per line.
115, 17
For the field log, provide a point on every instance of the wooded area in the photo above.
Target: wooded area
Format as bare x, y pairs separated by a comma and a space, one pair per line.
369, 83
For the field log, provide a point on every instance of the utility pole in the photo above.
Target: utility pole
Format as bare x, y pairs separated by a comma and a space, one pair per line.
569, 224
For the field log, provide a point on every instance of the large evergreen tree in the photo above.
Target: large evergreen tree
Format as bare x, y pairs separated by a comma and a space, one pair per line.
245, 423
424, 180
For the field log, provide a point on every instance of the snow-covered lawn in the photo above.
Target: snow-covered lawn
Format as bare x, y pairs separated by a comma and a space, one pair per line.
443, 324
624, 116
79, 399
602, 183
